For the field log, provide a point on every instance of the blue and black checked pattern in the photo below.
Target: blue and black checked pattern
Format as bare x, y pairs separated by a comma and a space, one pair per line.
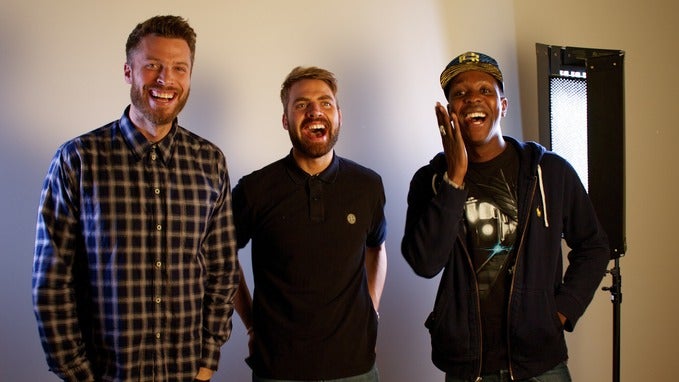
135, 257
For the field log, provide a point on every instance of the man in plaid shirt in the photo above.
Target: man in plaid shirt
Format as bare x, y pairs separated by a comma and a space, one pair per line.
135, 262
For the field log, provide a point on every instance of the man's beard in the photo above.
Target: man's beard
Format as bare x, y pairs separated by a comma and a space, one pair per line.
154, 116
314, 150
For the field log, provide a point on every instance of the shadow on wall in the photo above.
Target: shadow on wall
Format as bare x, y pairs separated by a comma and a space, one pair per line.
207, 106
23, 164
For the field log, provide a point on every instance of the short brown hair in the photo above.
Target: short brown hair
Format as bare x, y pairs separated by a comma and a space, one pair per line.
162, 26
306, 73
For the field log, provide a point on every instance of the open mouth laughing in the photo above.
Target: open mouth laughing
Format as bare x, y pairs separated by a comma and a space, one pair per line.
476, 117
163, 95
316, 128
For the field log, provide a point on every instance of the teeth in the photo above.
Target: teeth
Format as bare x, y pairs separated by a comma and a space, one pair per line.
316, 127
162, 95
476, 115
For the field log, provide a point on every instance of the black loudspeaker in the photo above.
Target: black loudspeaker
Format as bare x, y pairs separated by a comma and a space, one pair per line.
581, 117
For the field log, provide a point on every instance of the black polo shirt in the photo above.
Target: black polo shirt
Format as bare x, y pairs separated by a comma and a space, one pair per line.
312, 312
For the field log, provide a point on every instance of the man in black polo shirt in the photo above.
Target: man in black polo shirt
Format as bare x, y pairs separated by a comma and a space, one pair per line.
317, 226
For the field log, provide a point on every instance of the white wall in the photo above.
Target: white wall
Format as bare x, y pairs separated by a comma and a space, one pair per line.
647, 32
61, 75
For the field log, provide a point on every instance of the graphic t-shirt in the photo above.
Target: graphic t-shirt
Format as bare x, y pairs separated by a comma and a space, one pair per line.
492, 218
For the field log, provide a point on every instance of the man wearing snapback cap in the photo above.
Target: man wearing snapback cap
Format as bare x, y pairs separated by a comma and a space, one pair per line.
490, 212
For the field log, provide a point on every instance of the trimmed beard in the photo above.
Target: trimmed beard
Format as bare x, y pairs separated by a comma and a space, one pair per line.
153, 116
314, 150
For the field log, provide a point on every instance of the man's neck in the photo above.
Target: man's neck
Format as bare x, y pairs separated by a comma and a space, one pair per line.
312, 166
484, 153
154, 133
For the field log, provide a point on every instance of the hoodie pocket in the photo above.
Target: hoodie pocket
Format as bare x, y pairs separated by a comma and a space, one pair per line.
451, 326
535, 325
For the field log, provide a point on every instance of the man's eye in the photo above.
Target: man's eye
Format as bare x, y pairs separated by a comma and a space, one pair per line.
300, 106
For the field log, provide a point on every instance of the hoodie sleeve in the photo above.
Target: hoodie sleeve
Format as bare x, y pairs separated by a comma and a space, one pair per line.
432, 221
589, 251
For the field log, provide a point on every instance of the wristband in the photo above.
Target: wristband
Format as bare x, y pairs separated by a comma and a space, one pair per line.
455, 185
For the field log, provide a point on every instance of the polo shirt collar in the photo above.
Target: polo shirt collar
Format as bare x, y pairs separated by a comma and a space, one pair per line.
299, 176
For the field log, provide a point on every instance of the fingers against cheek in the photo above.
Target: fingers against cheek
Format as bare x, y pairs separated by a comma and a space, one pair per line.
440, 114
442, 119
454, 122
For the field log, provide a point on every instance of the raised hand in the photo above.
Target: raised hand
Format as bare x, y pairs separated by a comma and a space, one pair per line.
453, 144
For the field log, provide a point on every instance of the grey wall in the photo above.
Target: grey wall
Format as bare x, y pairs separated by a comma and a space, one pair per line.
61, 74
647, 32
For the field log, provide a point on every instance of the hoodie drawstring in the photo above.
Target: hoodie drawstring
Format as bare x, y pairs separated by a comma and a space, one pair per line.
542, 194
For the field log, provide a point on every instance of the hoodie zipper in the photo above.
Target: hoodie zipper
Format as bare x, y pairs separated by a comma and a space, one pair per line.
478, 307
542, 195
519, 250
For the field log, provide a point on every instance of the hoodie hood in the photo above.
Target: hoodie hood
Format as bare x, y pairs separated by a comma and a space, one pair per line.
530, 156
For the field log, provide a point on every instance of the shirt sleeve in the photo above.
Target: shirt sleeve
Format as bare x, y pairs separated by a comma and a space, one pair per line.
57, 245
379, 232
219, 250
240, 213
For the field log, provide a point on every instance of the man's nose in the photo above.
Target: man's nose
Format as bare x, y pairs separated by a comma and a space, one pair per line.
164, 76
472, 96
314, 110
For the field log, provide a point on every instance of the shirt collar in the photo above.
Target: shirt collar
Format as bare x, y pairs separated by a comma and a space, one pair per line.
299, 176
138, 142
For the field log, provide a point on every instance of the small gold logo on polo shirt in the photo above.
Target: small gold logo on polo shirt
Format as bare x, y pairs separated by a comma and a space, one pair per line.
351, 218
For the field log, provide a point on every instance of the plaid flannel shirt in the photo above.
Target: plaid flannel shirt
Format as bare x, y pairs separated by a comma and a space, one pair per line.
135, 259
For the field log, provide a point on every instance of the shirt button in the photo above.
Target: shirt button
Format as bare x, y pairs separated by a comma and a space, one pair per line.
158, 299
157, 191
158, 264
159, 227
158, 335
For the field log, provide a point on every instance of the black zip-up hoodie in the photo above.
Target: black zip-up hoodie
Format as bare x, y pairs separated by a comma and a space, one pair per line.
552, 204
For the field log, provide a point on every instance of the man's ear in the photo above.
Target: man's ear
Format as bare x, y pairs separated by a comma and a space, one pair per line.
285, 121
505, 106
127, 70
